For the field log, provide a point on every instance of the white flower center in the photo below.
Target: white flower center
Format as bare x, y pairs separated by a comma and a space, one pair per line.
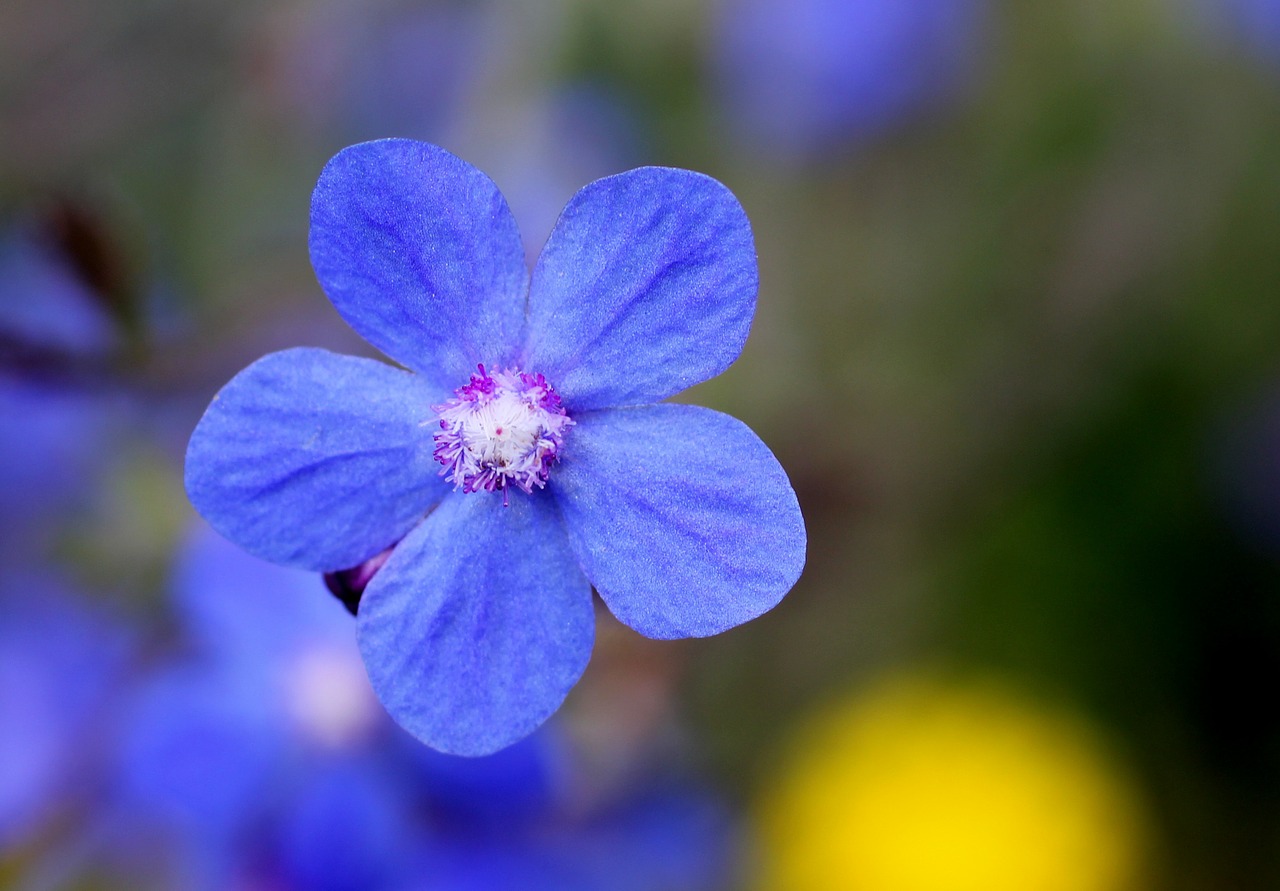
500, 429
327, 694
501, 432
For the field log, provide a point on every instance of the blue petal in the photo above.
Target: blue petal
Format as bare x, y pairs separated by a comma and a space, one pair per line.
478, 625
681, 517
420, 254
315, 460
646, 286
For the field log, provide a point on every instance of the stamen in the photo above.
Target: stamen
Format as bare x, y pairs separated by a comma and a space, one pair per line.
501, 429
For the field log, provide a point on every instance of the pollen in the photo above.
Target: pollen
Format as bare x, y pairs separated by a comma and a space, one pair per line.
501, 429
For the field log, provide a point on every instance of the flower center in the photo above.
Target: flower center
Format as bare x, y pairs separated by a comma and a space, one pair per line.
503, 428
327, 692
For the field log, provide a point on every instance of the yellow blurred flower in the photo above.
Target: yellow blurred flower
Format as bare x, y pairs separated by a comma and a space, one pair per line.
922, 785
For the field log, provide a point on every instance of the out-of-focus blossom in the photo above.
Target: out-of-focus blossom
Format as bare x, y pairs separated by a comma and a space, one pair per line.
45, 302
804, 77
359, 70
676, 836
51, 445
1253, 23
453, 72
55, 329
61, 661
540, 151
925, 785
262, 760
489, 832
437, 71
267, 721
481, 620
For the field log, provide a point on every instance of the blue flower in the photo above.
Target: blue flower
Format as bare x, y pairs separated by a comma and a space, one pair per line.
260, 759
61, 661
1256, 23
45, 304
668, 836
536, 816
534, 394
50, 460
562, 138
357, 68
803, 77
53, 327
264, 742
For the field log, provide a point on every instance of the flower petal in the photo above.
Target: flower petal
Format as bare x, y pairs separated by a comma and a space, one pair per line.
646, 286
420, 254
682, 518
479, 624
315, 460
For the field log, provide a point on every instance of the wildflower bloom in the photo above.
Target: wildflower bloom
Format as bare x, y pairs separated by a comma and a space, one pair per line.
926, 784
1253, 25
502, 429
539, 386
536, 816
805, 77
53, 326
252, 760
61, 663
46, 306
261, 742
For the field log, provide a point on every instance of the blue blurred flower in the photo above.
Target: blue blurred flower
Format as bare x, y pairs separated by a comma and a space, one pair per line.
1255, 22
672, 835
48, 460
807, 76
360, 67
261, 759
520, 819
268, 725
457, 72
681, 840
481, 620
45, 304
53, 327
543, 148
61, 660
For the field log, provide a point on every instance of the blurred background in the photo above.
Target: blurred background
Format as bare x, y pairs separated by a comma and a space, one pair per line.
1017, 345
